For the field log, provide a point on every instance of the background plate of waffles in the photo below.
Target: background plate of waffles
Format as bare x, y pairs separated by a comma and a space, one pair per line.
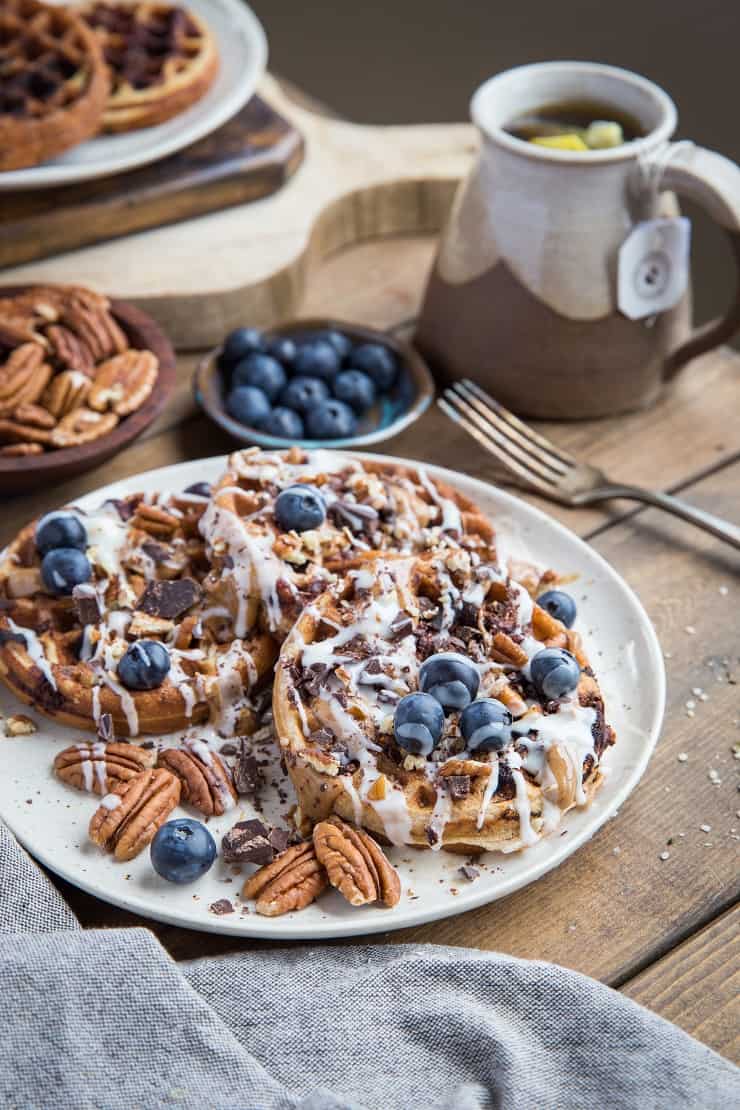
51, 813
175, 72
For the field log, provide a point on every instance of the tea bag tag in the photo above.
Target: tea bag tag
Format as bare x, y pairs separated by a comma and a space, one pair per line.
653, 269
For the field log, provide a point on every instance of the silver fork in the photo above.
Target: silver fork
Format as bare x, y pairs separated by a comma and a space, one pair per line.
552, 471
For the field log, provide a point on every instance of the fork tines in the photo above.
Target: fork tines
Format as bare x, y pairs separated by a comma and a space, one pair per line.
519, 448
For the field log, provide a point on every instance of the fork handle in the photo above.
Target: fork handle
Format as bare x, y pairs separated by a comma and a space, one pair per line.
722, 529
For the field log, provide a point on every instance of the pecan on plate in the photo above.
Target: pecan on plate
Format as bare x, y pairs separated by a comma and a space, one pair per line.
206, 780
128, 818
65, 392
156, 521
123, 383
291, 882
23, 377
98, 767
69, 351
20, 450
82, 426
356, 864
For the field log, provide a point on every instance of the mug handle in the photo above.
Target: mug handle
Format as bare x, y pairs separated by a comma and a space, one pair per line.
713, 182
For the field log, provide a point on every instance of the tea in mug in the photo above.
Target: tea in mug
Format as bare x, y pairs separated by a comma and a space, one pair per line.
576, 125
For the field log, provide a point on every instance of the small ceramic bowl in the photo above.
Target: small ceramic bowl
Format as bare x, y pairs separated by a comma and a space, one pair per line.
20, 475
410, 397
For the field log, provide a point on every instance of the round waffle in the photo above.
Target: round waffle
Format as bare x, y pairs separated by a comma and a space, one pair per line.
266, 576
358, 648
53, 83
162, 58
150, 581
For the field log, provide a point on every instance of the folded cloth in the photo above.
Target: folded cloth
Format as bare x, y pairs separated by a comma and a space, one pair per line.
104, 1018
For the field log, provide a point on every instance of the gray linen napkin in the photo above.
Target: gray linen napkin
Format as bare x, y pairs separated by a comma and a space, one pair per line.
105, 1019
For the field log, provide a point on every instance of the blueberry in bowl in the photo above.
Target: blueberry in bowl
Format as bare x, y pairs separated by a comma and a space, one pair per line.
313, 383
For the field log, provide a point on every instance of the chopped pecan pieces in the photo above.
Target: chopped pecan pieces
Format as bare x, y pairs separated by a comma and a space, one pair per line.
99, 767
19, 725
291, 882
206, 780
355, 864
126, 826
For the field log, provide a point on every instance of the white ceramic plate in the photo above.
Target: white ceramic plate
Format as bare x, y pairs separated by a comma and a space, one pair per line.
51, 819
242, 48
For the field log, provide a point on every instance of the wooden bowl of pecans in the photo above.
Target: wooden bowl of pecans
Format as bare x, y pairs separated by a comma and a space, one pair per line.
81, 376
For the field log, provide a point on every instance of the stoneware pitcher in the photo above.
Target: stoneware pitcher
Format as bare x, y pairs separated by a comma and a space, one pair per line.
523, 295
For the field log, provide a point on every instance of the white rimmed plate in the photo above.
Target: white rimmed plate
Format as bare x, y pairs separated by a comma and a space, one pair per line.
51, 819
242, 47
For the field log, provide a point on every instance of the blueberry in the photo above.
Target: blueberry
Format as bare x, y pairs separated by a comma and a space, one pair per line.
317, 359
284, 423
60, 530
283, 349
302, 394
486, 725
248, 405
356, 390
299, 507
418, 723
63, 568
377, 361
559, 605
261, 371
182, 850
144, 666
450, 678
341, 343
331, 420
239, 344
199, 489
555, 673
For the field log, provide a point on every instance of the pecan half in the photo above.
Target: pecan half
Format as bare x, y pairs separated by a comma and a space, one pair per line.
157, 522
65, 392
125, 827
82, 426
123, 383
99, 767
206, 780
97, 329
355, 864
34, 415
11, 431
291, 882
69, 351
20, 450
23, 377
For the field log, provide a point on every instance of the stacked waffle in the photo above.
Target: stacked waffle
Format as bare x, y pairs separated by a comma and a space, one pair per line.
68, 73
341, 580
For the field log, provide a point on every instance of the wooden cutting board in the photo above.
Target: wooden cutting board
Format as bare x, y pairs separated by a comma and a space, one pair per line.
249, 263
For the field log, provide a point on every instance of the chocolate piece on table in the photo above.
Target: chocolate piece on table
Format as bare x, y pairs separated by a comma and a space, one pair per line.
169, 599
469, 873
221, 907
246, 773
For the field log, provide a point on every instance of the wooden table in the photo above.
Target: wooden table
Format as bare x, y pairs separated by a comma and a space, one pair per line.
664, 931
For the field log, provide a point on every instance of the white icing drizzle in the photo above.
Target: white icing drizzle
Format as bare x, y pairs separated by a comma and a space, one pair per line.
440, 816
490, 789
110, 802
127, 703
527, 834
451, 519
107, 536
96, 704
35, 649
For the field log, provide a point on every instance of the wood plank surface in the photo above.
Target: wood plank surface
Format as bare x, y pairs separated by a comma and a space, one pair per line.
615, 910
697, 985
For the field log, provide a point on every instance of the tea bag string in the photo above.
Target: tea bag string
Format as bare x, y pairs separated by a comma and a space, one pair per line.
652, 166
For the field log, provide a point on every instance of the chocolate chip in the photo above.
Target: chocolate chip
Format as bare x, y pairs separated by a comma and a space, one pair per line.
156, 552
106, 732
247, 776
401, 625
432, 835
169, 599
248, 842
87, 605
228, 749
199, 489
458, 786
124, 509
312, 679
469, 873
221, 907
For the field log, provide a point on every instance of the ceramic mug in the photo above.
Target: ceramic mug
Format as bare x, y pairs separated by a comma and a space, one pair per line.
523, 293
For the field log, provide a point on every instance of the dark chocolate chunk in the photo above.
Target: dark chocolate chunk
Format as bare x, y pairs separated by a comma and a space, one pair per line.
247, 776
358, 518
199, 489
312, 679
156, 552
169, 599
401, 625
458, 786
124, 509
248, 842
228, 749
221, 907
432, 835
7, 637
467, 615
469, 873
106, 732
322, 737
280, 840
87, 605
